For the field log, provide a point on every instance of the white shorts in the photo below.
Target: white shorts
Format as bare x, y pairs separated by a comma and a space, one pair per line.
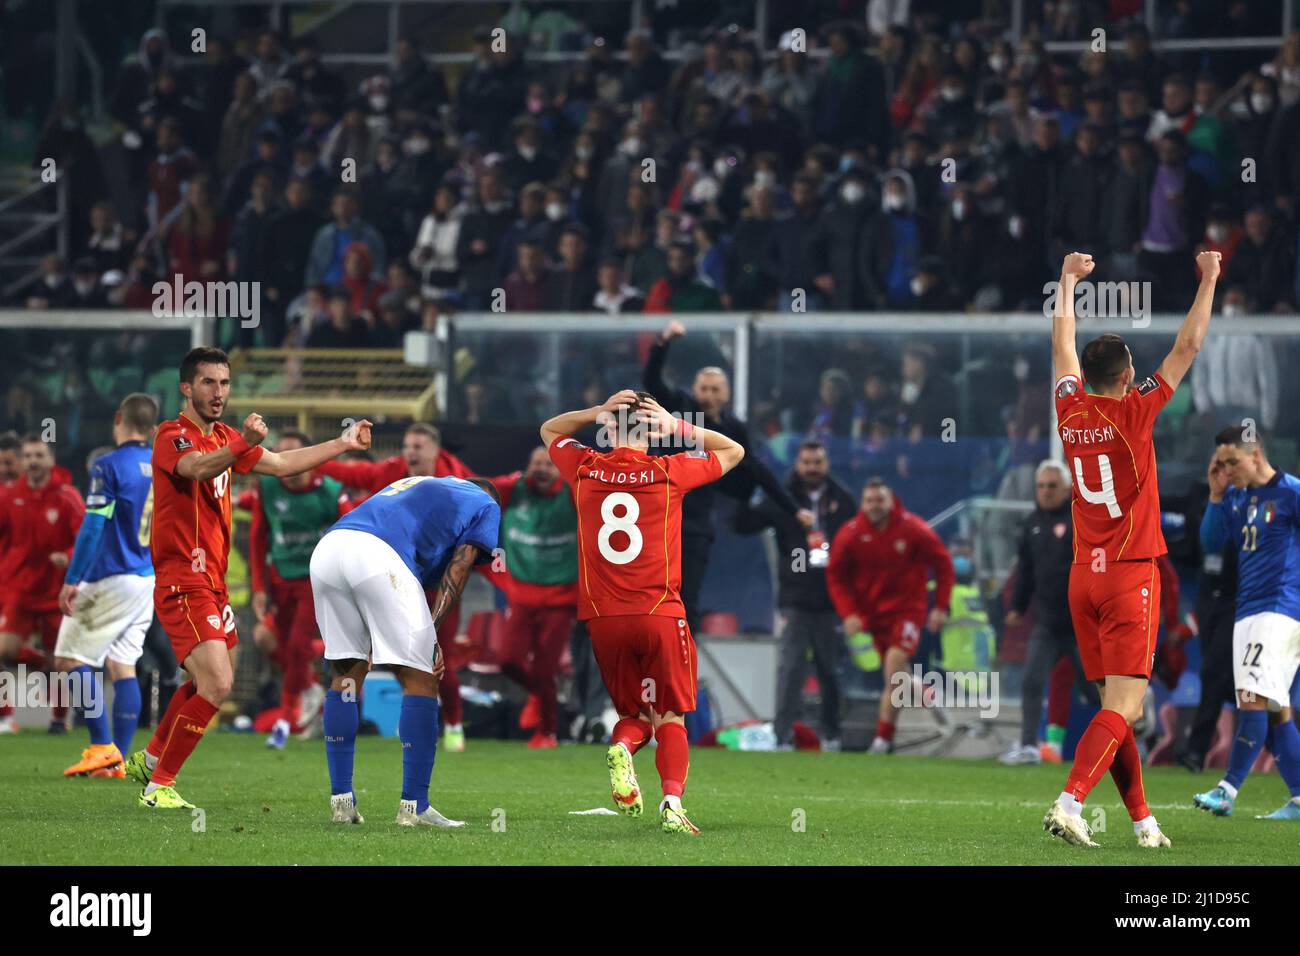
368, 603
109, 621
1265, 656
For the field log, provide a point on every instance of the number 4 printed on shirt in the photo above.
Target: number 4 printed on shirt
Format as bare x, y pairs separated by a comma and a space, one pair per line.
1106, 495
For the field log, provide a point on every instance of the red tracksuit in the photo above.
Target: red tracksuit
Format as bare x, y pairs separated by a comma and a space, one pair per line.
374, 476
880, 574
34, 524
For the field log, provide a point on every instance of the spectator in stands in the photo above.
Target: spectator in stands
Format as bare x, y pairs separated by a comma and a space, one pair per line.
215, 86
749, 279
1124, 208
239, 124
835, 245
493, 91
1134, 108
325, 263
646, 71
877, 404
1137, 63
352, 139
269, 63
963, 235
1281, 166
927, 396
268, 159
1179, 199
530, 161
1251, 108
531, 226
809, 624
710, 255
87, 292
315, 82
359, 279
305, 313
931, 287
414, 85
383, 199
1263, 263
832, 416
434, 253
305, 165
197, 237
571, 287
481, 232
392, 322
343, 330
1087, 172
525, 288
680, 289
1039, 190
789, 259
1222, 234
620, 169
244, 261
1236, 375
614, 296
169, 173
288, 236
137, 76
891, 247
108, 241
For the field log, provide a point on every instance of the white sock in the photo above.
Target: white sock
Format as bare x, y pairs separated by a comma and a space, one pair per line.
150, 788
671, 801
282, 723
453, 728
150, 760
1146, 823
1229, 789
1069, 804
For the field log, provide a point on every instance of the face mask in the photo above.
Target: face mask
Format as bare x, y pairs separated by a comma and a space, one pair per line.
961, 566
695, 166
631, 147
84, 287
528, 152
1020, 370
950, 93
1231, 309
721, 168
555, 211
417, 147
892, 202
909, 393
535, 104
918, 286
765, 178
1016, 226
54, 281
1261, 102
997, 63
1217, 233
583, 152
853, 192
378, 103
958, 210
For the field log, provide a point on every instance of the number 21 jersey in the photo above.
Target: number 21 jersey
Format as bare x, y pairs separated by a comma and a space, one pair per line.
1112, 460
629, 508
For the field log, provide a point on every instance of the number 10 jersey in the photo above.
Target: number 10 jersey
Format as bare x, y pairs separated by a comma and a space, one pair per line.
629, 507
1112, 460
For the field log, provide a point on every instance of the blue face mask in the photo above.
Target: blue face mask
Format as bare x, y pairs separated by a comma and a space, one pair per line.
962, 566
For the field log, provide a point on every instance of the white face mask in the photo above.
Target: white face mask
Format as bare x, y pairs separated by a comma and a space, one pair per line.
583, 152
918, 286
379, 103
958, 209
721, 168
528, 152
632, 146
85, 287
997, 63
1232, 309
951, 93
892, 202
1016, 226
1216, 233
555, 211
417, 147
54, 280
765, 178
853, 192
1261, 102
910, 391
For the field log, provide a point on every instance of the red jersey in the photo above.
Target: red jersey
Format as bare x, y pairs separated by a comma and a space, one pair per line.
35, 523
1112, 458
190, 536
882, 573
630, 525
373, 477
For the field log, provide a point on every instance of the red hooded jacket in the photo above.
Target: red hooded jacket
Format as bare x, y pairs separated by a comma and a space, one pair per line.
33, 525
374, 476
880, 574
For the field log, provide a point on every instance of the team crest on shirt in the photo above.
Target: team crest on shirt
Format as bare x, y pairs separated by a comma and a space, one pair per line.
214, 621
182, 443
900, 545
52, 515
1148, 384
1059, 529
1067, 388
1250, 514
1270, 509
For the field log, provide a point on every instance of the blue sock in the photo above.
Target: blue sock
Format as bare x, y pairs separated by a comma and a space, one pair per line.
418, 729
341, 718
1284, 744
126, 712
1252, 729
92, 693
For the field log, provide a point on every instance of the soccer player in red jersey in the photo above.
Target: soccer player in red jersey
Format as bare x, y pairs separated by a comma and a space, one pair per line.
629, 505
422, 455
1114, 580
193, 456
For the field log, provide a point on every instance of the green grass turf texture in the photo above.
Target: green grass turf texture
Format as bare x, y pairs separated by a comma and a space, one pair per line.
263, 807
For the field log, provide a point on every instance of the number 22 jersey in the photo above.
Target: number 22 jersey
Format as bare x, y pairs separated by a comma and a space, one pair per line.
629, 507
1112, 460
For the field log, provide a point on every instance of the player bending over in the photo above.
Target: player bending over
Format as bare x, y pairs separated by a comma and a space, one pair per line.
629, 505
107, 595
1258, 508
193, 456
1114, 582
368, 578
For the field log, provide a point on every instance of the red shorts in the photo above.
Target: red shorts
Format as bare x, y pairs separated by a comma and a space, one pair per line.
16, 619
647, 662
191, 615
1116, 617
903, 632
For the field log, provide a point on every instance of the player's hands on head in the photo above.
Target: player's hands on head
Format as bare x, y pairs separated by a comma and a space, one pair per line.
1077, 264
625, 398
659, 422
1209, 263
357, 435
255, 430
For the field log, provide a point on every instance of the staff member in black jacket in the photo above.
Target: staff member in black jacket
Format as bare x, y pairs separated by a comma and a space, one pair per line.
1216, 610
810, 618
1043, 580
709, 397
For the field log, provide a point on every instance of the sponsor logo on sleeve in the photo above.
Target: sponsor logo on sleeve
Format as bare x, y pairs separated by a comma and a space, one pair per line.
705, 454
182, 443
1148, 384
1067, 387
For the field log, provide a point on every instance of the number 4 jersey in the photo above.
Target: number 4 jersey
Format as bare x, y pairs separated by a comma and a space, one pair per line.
1112, 460
191, 519
629, 508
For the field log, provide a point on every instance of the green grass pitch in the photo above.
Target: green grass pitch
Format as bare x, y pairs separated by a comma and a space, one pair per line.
263, 807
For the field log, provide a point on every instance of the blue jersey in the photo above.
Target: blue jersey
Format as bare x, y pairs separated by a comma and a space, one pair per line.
114, 537
1263, 524
426, 519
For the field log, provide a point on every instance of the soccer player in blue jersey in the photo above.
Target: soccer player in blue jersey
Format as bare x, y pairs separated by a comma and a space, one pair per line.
107, 595
369, 574
1256, 509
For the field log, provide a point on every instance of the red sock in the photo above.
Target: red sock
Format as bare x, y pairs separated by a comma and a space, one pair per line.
1126, 771
6, 710
633, 732
187, 731
884, 730
1095, 752
672, 758
180, 698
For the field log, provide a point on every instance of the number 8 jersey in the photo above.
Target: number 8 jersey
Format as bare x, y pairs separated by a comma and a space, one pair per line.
1112, 460
629, 507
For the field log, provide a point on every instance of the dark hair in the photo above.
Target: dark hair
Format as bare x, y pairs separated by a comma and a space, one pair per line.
1236, 435
139, 412
487, 486
811, 444
876, 482
9, 441
34, 438
1104, 360
428, 431
204, 354
301, 437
